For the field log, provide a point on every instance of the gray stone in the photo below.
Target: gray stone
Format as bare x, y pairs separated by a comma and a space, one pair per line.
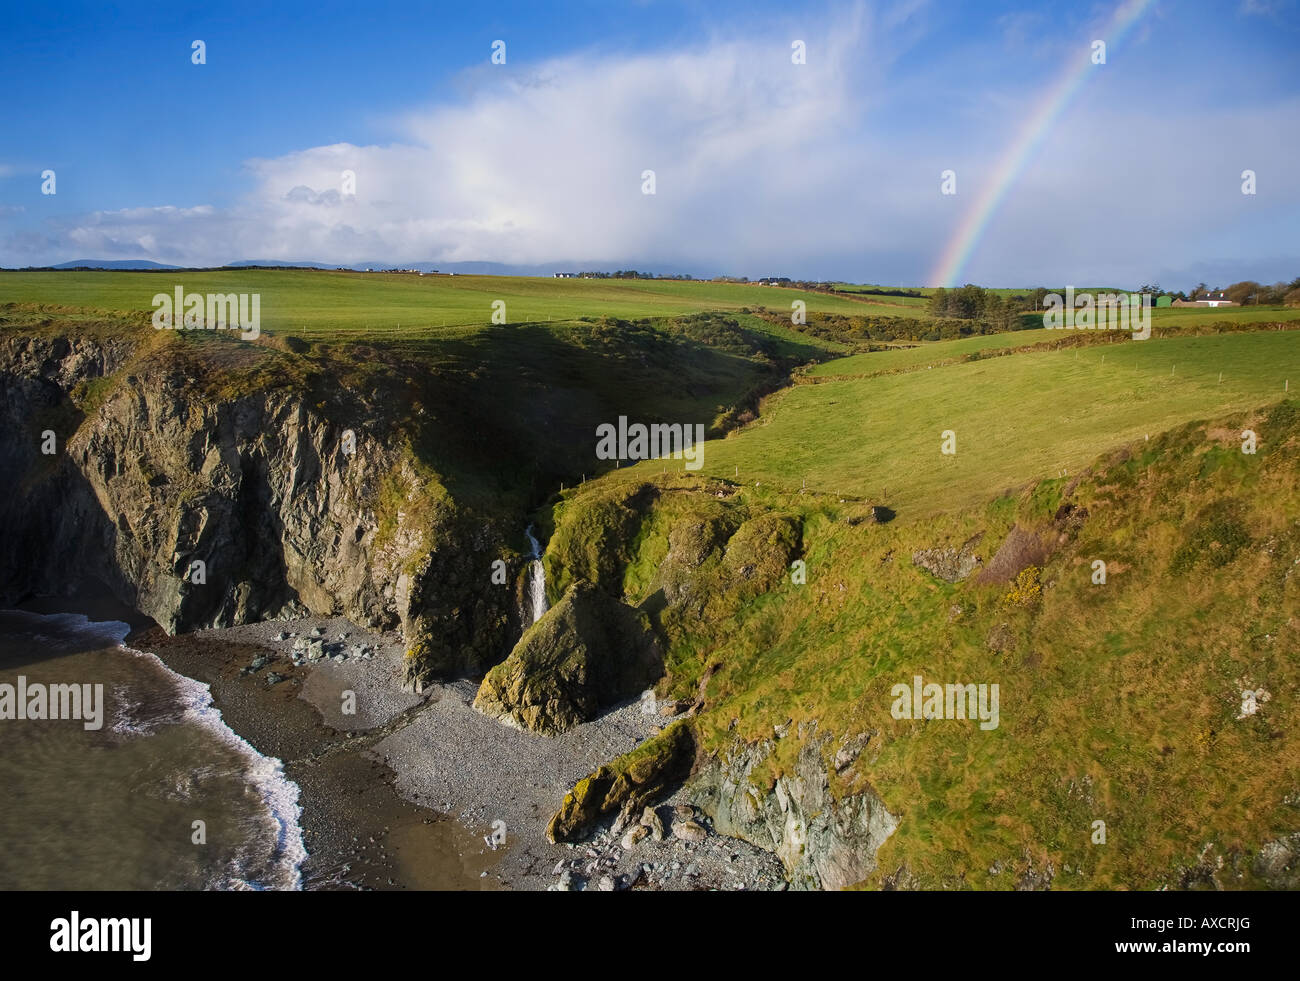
634, 836
689, 831
650, 819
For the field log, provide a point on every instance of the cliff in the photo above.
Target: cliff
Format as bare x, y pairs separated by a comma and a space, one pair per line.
208, 507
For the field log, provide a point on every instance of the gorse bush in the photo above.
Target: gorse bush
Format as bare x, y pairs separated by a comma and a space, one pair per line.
1026, 590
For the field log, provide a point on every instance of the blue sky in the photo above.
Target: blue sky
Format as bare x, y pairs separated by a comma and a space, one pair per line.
827, 170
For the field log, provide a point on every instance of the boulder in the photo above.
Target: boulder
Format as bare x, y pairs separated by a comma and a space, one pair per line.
646, 774
625, 818
761, 550
634, 836
650, 819
691, 831
951, 564
587, 652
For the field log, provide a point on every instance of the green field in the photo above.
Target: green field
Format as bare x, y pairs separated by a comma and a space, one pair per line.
1017, 419
320, 304
1195, 316
317, 303
930, 353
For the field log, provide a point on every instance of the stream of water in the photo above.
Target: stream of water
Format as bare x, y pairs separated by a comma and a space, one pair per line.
536, 578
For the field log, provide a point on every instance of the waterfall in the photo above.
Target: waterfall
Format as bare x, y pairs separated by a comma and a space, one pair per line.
536, 578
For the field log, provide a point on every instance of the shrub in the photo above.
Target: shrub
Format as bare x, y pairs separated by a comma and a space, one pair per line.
1027, 588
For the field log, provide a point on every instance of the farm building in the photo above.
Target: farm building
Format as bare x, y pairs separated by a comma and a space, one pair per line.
1217, 298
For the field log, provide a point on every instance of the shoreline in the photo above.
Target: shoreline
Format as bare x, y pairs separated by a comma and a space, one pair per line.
429, 778
359, 832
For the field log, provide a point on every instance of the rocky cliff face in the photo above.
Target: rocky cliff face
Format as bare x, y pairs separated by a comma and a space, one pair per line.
823, 842
203, 512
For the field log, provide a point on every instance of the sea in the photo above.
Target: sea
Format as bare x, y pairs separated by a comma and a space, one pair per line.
163, 796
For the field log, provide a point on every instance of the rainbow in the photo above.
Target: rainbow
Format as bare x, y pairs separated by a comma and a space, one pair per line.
957, 252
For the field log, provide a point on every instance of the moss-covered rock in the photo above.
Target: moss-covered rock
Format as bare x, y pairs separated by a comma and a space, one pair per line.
753, 560
640, 777
589, 651
592, 535
760, 551
692, 542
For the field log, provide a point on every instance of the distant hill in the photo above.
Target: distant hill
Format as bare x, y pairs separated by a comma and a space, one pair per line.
111, 264
462, 268
279, 264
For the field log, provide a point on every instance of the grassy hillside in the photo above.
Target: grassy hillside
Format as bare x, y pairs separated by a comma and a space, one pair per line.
1119, 702
1017, 419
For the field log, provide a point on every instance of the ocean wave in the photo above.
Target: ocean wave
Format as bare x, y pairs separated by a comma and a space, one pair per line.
64, 632
279, 794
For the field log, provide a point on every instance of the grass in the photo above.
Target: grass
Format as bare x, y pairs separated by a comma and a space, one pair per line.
927, 353
321, 304
1118, 702
1017, 419
1196, 316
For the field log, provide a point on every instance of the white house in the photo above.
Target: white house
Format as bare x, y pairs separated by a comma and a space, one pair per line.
1215, 298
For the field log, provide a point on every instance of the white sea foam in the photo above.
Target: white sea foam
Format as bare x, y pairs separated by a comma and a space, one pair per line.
265, 773
126, 714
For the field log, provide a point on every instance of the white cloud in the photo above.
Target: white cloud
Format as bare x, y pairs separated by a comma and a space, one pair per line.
1260, 8
550, 165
